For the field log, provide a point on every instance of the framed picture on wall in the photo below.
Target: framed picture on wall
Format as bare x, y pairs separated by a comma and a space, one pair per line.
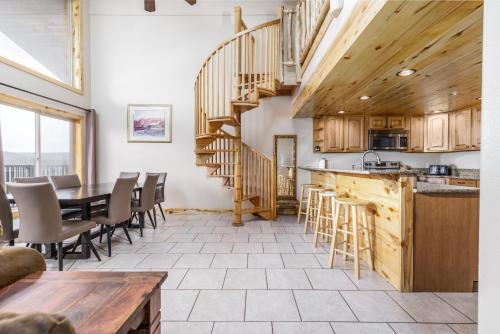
149, 123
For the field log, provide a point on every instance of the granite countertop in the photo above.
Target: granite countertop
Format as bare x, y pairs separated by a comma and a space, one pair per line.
425, 187
359, 171
468, 177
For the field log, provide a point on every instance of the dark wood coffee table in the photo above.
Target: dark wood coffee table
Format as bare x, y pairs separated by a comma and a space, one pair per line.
94, 302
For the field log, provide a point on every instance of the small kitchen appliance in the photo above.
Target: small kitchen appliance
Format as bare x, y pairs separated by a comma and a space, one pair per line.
388, 139
439, 170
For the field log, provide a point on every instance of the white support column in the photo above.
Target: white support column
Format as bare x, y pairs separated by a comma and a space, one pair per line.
489, 228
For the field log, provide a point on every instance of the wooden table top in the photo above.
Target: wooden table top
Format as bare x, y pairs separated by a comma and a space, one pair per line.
85, 193
94, 302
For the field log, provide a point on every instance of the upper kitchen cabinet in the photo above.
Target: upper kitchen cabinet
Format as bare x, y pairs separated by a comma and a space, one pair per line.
476, 129
334, 134
436, 133
416, 134
460, 130
354, 133
396, 122
377, 122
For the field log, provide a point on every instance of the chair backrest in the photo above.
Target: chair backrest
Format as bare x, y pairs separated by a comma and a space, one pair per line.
129, 175
39, 212
148, 192
160, 187
35, 179
119, 204
5, 217
66, 181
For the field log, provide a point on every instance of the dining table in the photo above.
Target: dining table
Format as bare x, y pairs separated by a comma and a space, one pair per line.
82, 197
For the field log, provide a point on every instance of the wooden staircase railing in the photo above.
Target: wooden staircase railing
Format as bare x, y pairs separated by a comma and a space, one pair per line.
231, 81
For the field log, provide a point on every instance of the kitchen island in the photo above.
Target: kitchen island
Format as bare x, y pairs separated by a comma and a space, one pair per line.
424, 236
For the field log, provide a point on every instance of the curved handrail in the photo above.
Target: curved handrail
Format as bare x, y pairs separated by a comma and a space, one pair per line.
241, 33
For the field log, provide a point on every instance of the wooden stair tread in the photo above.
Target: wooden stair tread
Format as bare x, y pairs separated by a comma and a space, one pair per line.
254, 210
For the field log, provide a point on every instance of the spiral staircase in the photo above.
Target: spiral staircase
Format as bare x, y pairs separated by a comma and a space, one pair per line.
231, 81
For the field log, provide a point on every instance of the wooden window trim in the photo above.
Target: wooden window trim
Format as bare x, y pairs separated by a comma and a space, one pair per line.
77, 120
76, 55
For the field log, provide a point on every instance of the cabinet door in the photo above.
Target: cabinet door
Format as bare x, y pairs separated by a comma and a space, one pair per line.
334, 133
396, 122
436, 133
377, 122
460, 130
463, 182
318, 134
476, 129
354, 134
416, 142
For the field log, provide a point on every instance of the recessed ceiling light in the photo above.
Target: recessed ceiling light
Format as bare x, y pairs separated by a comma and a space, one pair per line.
365, 97
454, 93
406, 72
341, 112
479, 98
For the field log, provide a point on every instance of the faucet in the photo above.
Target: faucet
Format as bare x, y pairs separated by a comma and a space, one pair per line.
364, 155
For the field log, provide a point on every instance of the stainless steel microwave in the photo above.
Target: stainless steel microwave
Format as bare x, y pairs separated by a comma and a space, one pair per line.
388, 139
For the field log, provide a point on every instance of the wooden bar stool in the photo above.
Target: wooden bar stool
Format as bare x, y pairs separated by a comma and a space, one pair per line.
303, 200
312, 207
351, 227
325, 217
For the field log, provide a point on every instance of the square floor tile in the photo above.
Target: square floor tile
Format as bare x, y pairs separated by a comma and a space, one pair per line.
184, 327
262, 237
158, 261
156, 247
375, 306
361, 328
201, 229
307, 248
464, 302
427, 307
123, 261
245, 279
229, 261
464, 328
300, 261
219, 305
235, 238
182, 237
369, 280
265, 261
329, 279
402, 328
287, 279
302, 328
271, 305
288, 237
278, 247
177, 304
194, 261
203, 279
174, 278
242, 328
247, 247
187, 247
217, 247
208, 237
318, 305
224, 229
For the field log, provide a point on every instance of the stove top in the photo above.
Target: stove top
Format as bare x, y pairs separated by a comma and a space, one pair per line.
382, 165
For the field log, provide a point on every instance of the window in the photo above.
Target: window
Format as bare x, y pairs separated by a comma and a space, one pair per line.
35, 144
43, 38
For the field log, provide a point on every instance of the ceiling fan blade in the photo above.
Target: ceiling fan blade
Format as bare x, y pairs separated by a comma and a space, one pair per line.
191, 2
149, 5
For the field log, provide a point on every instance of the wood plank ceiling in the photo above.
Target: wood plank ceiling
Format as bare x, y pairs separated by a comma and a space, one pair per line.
442, 40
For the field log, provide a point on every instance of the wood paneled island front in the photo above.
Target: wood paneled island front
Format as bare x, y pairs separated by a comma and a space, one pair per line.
392, 220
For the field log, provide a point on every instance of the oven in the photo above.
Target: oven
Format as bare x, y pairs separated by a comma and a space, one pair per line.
388, 139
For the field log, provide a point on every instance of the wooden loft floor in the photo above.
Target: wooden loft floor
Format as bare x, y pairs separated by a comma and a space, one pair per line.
442, 40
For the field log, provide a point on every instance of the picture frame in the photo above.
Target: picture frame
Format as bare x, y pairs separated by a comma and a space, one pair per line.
149, 123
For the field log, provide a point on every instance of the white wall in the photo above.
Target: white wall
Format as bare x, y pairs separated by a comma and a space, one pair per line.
153, 58
21, 79
489, 227
462, 159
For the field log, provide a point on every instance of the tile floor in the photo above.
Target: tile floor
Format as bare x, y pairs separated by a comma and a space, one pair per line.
266, 277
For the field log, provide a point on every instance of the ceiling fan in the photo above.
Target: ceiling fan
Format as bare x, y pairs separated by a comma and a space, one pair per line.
149, 5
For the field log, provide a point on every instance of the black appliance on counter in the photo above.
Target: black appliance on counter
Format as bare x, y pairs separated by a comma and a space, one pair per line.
439, 170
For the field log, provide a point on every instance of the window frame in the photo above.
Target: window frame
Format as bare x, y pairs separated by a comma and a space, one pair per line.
76, 60
77, 134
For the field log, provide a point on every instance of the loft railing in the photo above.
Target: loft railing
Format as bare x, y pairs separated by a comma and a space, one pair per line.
235, 71
17, 171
